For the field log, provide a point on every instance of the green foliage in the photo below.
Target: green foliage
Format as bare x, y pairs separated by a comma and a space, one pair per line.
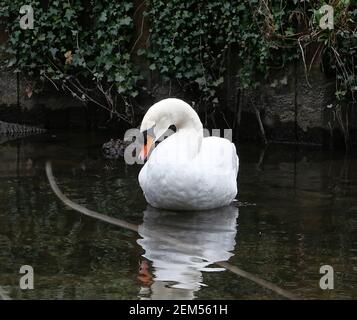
82, 46
86, 47
190, 40
337, 48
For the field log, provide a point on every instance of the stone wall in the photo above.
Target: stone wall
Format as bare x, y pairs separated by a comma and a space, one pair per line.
50, 108
293, 108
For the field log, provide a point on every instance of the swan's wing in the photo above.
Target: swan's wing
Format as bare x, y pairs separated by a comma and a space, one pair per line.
220, 154
204, 181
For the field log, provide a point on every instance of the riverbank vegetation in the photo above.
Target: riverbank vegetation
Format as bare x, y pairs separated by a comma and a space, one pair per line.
91, 48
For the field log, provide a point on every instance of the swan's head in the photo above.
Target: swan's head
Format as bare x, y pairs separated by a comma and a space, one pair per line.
162, 115
153, 126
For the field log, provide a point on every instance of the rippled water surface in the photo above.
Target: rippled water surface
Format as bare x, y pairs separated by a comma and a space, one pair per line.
297, 211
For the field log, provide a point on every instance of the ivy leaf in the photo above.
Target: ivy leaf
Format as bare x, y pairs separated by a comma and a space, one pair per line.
103, 17
121, 89
134, 94
99, 33
108, 65
125, 21
128, 6
11, 62
201, 81
178, 59
119, 77
218, 82
69, 14
42, 37
53, 51
141, 52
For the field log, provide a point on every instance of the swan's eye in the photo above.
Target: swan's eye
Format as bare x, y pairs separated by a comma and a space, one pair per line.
173, 128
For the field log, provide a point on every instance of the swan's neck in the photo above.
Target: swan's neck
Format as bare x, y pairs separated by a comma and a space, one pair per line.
175, 112
189, 126
191, 122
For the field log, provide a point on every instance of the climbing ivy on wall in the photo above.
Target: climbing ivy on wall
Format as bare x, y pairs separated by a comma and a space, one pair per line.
190, 42
87, 47
190, 39
80, 46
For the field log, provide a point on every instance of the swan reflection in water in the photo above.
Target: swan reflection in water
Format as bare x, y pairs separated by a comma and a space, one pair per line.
180, 246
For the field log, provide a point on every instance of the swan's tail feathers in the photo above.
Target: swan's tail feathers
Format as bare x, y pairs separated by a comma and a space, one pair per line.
235, 159
81, 209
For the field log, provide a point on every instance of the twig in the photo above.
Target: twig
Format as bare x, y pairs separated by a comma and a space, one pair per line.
304, 60
133, 227
261, 127
53, 83
140, 35
81, 209
257, 280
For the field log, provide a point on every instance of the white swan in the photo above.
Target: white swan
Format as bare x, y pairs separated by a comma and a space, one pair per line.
186, 171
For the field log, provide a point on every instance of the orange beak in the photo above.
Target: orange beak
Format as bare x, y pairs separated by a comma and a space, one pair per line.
146, 148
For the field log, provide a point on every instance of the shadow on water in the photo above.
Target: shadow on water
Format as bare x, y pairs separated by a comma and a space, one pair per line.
197, 240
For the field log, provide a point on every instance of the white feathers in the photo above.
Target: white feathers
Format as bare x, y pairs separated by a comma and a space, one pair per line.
187, 171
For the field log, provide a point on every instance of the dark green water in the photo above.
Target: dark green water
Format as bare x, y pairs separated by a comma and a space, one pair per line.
297, 212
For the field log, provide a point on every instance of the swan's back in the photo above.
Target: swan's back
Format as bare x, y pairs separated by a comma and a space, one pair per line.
171, 179
220, 155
